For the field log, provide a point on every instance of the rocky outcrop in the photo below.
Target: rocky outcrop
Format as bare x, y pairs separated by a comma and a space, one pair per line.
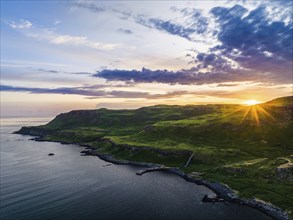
285, 172
152, 169
212, 199
87, 152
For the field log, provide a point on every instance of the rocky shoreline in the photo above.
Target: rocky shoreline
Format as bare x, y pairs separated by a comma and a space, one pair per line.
223, 192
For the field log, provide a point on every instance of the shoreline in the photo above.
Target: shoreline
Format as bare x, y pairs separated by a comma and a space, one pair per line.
222, 191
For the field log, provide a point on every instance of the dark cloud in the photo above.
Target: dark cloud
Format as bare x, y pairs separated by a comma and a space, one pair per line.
215, 62
254, 41
58, 71
254, 34
80, 73
125, 31
47, 71
91, 93
184, 77
198, 25
63, 90
166, 26
145, 75
194, 18
95, 8
191, 76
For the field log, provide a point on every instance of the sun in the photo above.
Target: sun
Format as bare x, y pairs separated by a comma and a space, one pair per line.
251, 102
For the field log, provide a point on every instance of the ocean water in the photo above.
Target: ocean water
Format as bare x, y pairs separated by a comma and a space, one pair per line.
69, 186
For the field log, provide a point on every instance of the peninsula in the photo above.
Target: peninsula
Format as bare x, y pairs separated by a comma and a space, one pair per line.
248, 148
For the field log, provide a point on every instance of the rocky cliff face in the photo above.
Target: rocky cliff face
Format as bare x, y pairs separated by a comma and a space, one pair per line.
34, 131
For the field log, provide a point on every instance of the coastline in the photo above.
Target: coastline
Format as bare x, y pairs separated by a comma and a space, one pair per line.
222, 191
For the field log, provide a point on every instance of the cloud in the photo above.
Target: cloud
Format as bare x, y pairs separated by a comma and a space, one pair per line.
251, 45
58, 71
67, 39
63, 90
183, 77
56, 22
125, 31
253, 34
192, 76
91, 93
254, 41
257, 43
228, 84
22, 24
145, 95
51, 36
191, 24
57, 39
167, 26
89, 5
29, 64
214, 62
144, 76
48, 71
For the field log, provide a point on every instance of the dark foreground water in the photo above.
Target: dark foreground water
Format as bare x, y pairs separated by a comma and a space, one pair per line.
70, 186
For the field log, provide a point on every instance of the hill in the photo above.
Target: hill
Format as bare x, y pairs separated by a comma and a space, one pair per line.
250, 148
283, 101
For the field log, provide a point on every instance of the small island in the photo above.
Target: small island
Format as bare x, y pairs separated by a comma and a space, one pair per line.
243, 153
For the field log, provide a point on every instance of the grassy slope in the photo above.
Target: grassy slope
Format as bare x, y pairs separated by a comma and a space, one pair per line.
239, 146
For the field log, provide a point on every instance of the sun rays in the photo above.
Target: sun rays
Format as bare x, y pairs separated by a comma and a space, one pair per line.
257, 113
253, 114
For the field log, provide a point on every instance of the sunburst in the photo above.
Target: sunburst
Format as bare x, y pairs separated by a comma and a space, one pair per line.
252, 110
255, 112
251, 102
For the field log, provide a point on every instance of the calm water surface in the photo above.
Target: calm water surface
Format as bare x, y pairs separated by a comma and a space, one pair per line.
70, 186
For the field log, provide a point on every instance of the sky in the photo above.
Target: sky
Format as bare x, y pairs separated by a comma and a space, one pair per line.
57, 56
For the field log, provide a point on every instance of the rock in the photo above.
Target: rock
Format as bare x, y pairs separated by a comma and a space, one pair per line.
50, 154
207, 198
195, 174
106, 165
87, 152
285, 172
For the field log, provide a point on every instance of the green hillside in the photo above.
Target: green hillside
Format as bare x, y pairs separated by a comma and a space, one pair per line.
250, 148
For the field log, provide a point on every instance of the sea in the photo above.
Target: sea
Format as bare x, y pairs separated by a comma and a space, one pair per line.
69, 186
